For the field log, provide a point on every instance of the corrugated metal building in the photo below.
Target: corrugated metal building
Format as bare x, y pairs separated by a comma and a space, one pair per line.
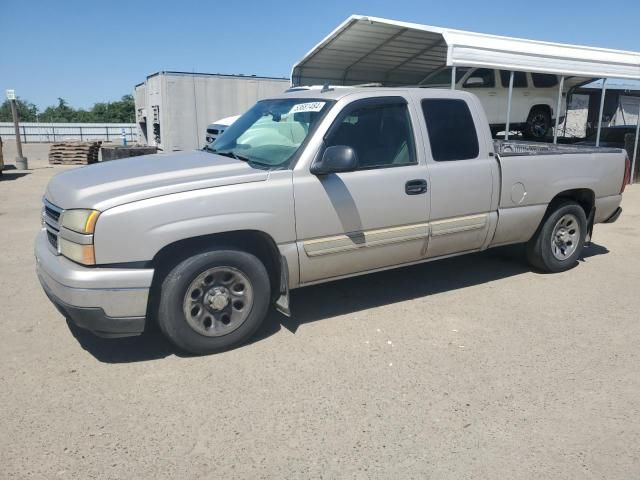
173, 109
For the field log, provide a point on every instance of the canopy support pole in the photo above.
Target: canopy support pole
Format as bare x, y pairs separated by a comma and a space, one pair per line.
602, 95
566, 111
558, 107
453, 78
507, 126
635, 149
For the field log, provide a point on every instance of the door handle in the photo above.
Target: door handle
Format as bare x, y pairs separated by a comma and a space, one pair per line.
415, 187
492, 94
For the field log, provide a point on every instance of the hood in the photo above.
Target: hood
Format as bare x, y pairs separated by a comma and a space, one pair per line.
105, 185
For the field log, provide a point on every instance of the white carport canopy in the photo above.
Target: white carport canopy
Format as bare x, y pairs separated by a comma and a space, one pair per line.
368, 49
377, 50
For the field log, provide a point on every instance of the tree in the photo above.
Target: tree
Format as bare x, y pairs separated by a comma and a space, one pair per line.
27, 111
120, 111
62, 113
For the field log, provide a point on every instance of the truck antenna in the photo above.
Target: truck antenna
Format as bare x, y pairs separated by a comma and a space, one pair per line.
326, 88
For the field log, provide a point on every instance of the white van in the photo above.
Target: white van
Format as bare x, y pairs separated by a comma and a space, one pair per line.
217, 128
535, 97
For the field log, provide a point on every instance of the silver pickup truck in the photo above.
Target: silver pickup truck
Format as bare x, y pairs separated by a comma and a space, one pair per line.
308, 187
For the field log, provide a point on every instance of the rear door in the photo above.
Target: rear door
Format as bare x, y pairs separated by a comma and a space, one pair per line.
463, 174
372, 217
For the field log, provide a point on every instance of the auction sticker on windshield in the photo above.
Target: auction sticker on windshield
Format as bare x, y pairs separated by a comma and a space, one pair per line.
307, 107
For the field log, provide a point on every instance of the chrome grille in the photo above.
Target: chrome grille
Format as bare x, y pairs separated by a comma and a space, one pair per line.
53, 239
51, 213
50, 218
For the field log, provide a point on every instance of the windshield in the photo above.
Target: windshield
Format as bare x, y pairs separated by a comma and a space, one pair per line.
271, 132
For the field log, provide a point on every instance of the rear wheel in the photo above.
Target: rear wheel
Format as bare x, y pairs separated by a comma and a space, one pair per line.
559, 241
214, 300
538, 124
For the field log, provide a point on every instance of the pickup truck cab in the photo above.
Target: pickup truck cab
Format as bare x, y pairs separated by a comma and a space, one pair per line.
308, 187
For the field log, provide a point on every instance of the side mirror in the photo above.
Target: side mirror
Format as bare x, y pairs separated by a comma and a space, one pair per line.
336, 159
474, 82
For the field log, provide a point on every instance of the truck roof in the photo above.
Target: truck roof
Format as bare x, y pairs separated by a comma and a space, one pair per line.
338, 93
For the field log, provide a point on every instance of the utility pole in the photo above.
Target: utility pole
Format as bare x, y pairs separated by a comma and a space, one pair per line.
21, 161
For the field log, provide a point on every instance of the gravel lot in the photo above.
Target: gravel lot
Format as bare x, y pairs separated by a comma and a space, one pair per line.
472, 367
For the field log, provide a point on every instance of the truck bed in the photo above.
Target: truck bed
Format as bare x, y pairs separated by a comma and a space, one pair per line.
511, 148
532, 174
542, 170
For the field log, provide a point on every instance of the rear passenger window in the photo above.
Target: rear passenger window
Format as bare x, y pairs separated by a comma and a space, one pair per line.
452, 132
519, 79
544, 80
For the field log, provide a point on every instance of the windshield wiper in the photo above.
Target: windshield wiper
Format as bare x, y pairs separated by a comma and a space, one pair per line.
232, 154
240, 157
229, 153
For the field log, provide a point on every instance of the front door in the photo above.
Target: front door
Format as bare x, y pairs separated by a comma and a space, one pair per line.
372, 217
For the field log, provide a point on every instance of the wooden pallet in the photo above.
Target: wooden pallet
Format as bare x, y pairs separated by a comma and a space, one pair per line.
72, 161
74, 153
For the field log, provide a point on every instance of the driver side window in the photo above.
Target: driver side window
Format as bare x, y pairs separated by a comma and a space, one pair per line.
380, 134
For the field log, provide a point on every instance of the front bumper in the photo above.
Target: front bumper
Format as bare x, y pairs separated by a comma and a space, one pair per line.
107, 301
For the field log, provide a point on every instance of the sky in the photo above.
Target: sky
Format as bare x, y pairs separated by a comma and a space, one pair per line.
93, 51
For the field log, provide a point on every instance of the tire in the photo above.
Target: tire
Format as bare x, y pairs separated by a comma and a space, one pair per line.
565, 226
538, 124
214, 301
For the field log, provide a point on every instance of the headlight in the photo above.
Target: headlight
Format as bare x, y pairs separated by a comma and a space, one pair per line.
81, 221
83, 254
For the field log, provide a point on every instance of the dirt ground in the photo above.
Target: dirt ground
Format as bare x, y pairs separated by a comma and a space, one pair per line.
472, 367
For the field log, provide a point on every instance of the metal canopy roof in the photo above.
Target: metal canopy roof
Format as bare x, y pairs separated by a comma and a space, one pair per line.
368, 49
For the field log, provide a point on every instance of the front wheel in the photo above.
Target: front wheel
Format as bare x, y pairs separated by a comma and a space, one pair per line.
559, 241
214, 301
